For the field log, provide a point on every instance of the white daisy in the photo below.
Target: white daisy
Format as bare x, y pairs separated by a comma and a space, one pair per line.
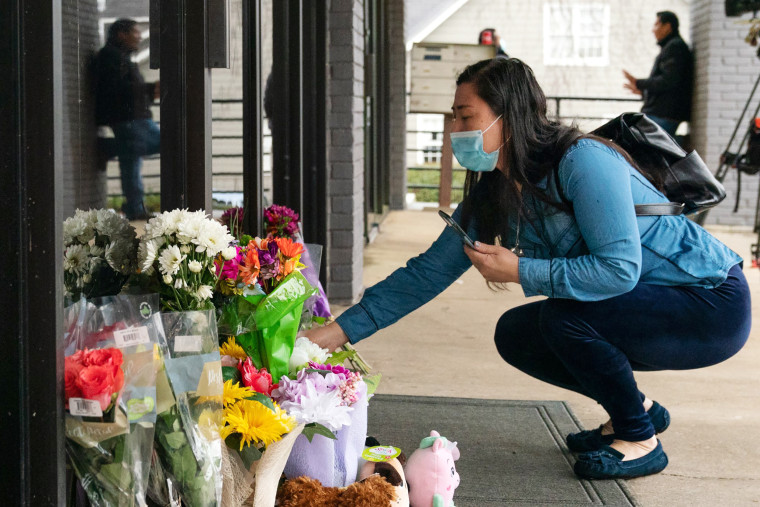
212, 238
170, 260
195, 266
75, 259
204, 292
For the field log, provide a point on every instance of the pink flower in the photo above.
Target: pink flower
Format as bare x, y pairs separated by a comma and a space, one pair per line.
228, 270
258, 380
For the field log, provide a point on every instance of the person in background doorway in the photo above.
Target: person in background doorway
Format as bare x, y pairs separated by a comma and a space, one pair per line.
667, 90
489, 37
122, 102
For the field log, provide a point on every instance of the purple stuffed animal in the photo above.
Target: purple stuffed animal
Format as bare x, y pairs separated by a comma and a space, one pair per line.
430, 472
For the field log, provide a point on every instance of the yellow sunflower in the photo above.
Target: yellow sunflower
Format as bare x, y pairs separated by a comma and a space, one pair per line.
231, 348
235, 392
254, 422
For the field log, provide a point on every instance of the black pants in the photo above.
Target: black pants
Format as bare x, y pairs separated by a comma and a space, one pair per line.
593, 347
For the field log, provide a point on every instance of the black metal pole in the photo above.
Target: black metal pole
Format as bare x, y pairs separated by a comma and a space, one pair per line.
287, 123
315, 177
253, 186
185, 106
31, 195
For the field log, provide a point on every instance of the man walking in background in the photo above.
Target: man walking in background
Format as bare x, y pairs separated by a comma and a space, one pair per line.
667, 90
122, 101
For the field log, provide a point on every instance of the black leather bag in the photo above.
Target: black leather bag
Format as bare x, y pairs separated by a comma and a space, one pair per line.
684, 177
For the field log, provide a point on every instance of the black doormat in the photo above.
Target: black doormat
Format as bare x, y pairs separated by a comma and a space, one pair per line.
512, 452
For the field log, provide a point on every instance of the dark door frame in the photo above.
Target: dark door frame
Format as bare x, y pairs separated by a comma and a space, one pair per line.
31, 204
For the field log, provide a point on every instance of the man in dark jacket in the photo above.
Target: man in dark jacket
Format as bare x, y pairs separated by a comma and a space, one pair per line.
122, 101
667, 90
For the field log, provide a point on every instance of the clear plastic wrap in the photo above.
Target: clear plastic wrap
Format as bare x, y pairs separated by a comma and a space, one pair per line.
111, 359
190, 408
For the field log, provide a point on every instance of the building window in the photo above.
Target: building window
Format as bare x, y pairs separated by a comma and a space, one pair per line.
576, 34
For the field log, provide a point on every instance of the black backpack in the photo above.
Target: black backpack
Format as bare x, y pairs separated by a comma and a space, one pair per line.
684, 177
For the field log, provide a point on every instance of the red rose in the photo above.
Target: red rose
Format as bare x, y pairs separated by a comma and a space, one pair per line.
258, 380
71, 375
97, 383
110, 357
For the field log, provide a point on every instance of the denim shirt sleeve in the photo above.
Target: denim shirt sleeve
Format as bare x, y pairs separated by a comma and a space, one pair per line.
596, 179
410, 287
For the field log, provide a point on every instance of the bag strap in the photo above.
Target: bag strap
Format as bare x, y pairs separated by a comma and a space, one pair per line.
642, 210
662, 208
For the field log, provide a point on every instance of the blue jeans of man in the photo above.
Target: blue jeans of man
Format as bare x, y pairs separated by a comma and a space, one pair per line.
593, 347
670, 126
134, 139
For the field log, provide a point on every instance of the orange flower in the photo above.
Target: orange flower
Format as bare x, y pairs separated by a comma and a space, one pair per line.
286, 267
288, 248
249, 270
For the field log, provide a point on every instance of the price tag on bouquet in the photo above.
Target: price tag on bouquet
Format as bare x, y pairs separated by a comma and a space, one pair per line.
131, 336
381, 453
190, 343
84, 408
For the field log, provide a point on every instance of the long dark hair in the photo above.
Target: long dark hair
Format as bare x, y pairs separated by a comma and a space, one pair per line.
534, 145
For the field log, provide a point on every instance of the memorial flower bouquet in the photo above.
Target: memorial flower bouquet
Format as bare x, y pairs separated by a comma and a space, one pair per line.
177, 253
265, 295
333, 401
99, 253
110, 392
178, 257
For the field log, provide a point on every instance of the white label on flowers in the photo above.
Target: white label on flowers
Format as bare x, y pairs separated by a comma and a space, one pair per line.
131, 336
84, 408
190, 343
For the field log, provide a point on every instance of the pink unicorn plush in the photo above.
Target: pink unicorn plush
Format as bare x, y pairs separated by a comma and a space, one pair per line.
430, 472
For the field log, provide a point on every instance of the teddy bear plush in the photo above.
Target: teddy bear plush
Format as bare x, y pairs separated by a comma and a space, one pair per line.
302, 491
393, 472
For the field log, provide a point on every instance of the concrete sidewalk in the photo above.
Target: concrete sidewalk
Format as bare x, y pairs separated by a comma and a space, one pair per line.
446, 348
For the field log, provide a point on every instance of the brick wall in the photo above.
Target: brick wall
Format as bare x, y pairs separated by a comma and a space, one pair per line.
397, 80
84, 185
726, 69
345, 148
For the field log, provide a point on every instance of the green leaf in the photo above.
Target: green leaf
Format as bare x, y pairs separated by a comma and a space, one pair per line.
372, 382
249, 455
263, 399
117, 474
230, 373
118, 451
312, 429
339, 357
176, 439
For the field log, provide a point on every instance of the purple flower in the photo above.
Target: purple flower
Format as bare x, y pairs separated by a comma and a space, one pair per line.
281, 221
335, 368
270, 264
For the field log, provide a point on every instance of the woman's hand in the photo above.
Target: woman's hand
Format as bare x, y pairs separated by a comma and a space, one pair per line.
328, 337
496, 263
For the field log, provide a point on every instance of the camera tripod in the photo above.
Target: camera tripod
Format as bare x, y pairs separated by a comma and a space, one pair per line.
739, 160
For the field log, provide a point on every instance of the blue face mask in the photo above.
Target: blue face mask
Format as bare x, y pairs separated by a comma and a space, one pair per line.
468, 149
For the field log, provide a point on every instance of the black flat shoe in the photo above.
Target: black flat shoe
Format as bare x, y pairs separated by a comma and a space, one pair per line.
592, 440
607, 463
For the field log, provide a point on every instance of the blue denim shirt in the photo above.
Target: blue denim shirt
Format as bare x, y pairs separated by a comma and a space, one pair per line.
600, 250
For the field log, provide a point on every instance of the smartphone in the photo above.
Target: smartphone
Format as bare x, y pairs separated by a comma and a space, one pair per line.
451, 223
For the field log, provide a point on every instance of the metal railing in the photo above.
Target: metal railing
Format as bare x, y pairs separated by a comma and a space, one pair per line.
587, 112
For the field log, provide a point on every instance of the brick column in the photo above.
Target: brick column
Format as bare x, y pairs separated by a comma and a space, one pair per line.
726, 68
345, 150
84, 186
397, 85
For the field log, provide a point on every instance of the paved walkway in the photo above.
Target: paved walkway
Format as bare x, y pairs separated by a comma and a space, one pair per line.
446, 349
